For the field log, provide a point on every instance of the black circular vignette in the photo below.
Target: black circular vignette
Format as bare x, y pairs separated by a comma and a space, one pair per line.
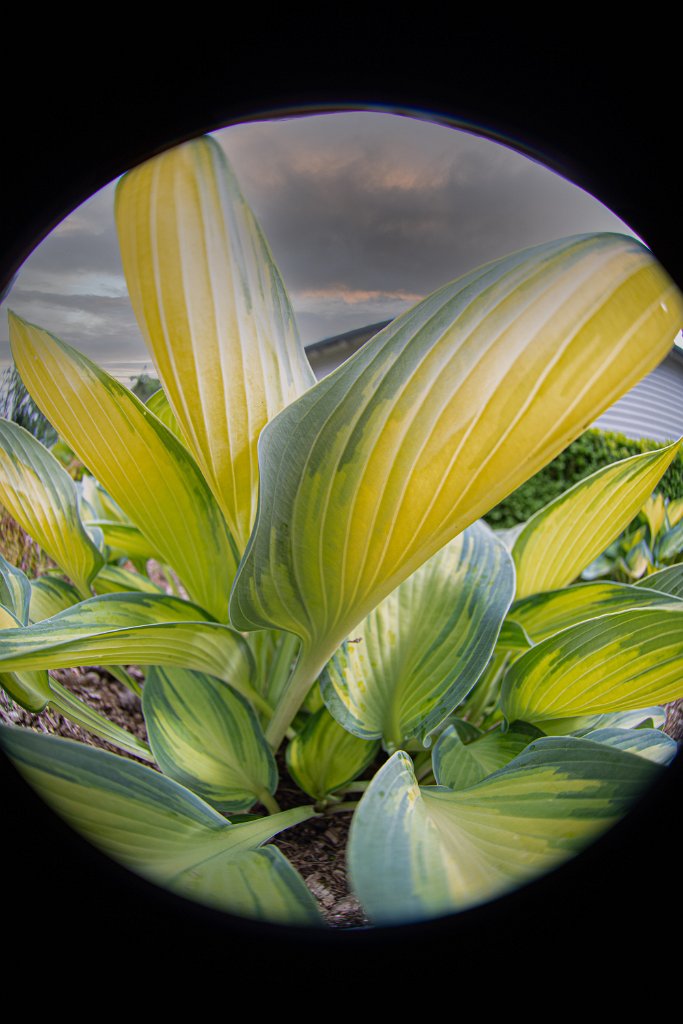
598, 110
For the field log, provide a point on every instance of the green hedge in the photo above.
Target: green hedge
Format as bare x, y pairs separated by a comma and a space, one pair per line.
590, 452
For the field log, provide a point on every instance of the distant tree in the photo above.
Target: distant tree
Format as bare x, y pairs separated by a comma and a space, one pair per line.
143, 386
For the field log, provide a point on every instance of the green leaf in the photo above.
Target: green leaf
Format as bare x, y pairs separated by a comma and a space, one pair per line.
214, 312
564, 537
159, 405
670, 544
653, 717
649, 743
275, 654
666, 581
616, 662
420, 652
419, 853
207, 737
39, 493
49, 596
76, 710
125, 540
114, 579
144, 467
432, 422
541, 615
29, 689
15, 591
459, 762
160, 830
140, 629
324, 757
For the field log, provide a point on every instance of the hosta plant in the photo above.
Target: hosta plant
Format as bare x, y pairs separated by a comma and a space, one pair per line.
336, 595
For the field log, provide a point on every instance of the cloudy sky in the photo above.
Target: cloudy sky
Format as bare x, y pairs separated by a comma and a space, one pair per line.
365, 213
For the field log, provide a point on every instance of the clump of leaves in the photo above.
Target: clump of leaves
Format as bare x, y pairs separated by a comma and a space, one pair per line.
340, 595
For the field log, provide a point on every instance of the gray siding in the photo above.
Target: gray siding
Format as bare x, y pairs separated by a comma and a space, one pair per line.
653, 408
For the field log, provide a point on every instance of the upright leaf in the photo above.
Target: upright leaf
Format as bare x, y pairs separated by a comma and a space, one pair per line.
144, 467
434, 421
324, 756
564, 537
214, 312
39, 493
420, 652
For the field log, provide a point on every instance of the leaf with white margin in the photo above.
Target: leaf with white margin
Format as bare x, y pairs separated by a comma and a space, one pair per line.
15, 590
560, 540
420, 652
616, 662
666, 581
214, 313
161, 830
417, 853
459, 761
652, 744
208, 738
541, 615
642, 718
324, 756
137, 460
139, 629
431, 423
39, 493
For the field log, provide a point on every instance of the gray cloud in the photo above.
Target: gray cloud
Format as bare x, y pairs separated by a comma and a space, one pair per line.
364, 213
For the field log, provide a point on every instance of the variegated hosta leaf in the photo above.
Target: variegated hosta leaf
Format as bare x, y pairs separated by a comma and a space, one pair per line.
564, 537
641, 718
670, 544
29, 689
39, 493
125, 540
459, 761
541, 615
207, 737
420, 652
324, 756
15, 591
214, 312
161, 830
649, 743
144, 467
275, 655
76, 710
139, 629
49, 596
419, 853
97, 503
613, 663
666, 581
114, 579
435, 420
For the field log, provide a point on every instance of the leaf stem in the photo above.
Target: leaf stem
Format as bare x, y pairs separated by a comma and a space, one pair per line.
269, 802
305, 673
